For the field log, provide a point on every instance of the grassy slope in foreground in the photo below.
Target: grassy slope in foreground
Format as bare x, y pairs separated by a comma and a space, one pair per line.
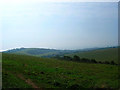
51, 73
108, 54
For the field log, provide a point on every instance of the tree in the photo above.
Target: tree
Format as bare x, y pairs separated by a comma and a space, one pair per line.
67, 58
100, 62
93, 61
76, 58
106, 62
112, 62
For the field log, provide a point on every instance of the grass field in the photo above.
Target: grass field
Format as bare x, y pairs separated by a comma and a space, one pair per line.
21, 71
108, 54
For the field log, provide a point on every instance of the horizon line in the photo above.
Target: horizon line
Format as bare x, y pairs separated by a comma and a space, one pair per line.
57, 48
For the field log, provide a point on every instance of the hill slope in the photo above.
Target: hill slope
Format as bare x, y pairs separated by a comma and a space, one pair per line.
106, 54
30, 72
100, 54
41, 52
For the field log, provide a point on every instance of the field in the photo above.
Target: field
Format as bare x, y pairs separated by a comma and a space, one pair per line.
20, 71
107, 54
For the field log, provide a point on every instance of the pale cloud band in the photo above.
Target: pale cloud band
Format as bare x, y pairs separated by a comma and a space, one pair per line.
28, 1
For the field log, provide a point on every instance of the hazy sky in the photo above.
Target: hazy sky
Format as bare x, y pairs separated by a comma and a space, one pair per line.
60, 25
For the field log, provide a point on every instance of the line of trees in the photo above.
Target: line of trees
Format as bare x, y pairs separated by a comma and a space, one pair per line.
86, 60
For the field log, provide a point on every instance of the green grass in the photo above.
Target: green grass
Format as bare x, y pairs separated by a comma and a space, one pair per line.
100, 55
12, 81
53, 73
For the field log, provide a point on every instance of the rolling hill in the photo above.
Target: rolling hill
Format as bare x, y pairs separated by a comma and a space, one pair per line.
105, 54
100, 54
40, 52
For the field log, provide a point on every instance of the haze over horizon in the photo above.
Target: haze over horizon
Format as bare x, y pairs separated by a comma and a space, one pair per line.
60, 25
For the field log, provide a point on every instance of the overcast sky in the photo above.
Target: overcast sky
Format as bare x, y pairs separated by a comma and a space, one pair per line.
63, 25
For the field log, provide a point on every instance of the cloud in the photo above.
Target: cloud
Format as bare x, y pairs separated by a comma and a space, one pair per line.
26, 1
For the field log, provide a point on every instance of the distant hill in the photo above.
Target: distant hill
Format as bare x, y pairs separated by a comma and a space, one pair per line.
102, 54
41, 52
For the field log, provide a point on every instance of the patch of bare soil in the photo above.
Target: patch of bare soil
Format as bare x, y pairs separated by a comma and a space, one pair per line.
28, 81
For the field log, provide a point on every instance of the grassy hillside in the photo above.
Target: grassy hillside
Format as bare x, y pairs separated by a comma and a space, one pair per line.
40, 52
108, 54
33, 72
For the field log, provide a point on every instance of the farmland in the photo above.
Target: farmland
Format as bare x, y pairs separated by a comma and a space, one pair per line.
21, 71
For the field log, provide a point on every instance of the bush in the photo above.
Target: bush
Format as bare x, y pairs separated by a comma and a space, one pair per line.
76, 86
93, 61
76, 58
85, 60
112, 62
67, 58
100, 62
106, 62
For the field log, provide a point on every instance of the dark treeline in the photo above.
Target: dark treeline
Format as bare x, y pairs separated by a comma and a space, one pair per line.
85, 60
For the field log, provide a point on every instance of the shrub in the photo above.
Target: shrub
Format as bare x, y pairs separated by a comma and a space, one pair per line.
76, 58
93, 61
106, 62
67, 58
112, 62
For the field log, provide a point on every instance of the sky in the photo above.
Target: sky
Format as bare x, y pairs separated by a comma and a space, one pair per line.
59, 25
